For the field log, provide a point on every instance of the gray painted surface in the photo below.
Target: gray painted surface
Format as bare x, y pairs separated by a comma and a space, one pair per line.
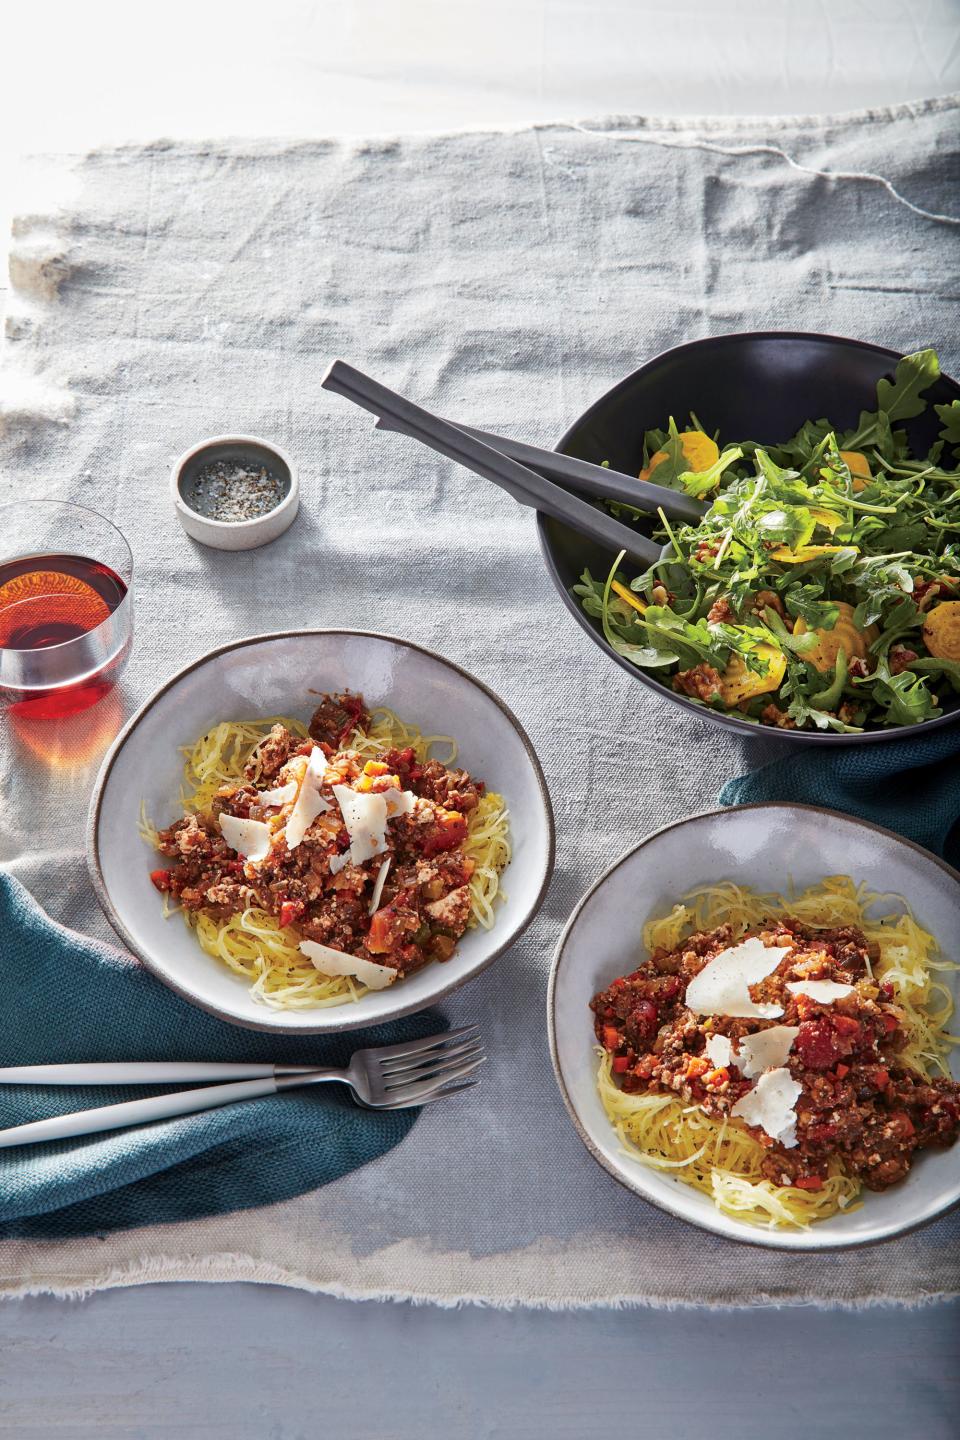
244, 1362
248, 1363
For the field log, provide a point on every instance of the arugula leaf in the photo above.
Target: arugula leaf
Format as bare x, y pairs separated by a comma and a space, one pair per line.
791, 525
934, 665
829, 697
900, 400
950, 415
699, 483
896, 400
905, 698
803, 603
668, 471
805, 444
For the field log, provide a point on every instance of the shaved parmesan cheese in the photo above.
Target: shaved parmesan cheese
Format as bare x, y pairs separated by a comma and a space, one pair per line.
719, 1051
399, 802
280, 796
310, 803
365, 817
335, 962
339, 862
250, 838
823, 991
769, 1105
722, 987
378, 886
767, 1050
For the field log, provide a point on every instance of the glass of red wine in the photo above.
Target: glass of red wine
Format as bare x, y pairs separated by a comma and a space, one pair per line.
66, 618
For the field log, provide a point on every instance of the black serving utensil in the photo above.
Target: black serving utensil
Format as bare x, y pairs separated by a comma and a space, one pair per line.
584, 477
525, 485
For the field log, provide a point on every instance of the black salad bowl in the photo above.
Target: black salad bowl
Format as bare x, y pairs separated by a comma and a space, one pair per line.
760, 385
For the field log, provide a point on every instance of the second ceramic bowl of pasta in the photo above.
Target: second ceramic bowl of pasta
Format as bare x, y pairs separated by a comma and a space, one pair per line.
768, 849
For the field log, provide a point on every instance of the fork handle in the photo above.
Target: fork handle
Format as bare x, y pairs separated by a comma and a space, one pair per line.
136, 1112
143, 1072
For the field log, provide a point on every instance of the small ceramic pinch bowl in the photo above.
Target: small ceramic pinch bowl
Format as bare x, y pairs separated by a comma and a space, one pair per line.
249, 452
273, 675
768, 848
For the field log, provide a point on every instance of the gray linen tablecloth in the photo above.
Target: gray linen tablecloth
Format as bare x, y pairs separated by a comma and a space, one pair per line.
507, 279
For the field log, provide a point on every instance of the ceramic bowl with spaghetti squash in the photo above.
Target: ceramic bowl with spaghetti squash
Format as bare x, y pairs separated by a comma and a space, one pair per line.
320, 830
752, 1023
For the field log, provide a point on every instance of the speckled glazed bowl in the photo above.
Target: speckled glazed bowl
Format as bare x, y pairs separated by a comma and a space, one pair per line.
768, 848
271, 675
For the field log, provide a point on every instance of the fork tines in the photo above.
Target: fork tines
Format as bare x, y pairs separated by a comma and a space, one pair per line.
427, 1069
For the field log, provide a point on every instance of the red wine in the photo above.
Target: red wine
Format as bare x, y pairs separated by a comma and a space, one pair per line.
48, 600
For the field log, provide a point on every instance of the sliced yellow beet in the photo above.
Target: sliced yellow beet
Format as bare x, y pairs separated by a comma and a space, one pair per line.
844, 636
740, 683
941, 630
629, 596
859, 467
800, 556
699, 451
829, 519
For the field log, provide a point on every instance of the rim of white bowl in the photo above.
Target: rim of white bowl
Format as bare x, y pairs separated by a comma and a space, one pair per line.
803, 1242
353, 1022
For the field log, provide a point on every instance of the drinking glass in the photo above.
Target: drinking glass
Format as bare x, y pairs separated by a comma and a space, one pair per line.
66, 616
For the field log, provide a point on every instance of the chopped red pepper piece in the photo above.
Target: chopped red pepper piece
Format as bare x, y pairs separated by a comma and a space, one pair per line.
162, 879
841, 1071
808, 1182
611, 1037
621, 1064
290, 910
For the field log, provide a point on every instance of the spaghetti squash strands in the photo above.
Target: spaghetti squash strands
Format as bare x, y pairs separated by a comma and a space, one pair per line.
720, 1157
251, 942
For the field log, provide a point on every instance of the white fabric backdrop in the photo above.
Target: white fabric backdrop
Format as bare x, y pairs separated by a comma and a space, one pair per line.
509, 278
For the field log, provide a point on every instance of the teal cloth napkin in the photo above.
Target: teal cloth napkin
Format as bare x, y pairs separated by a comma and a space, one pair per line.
910, 785
67, 998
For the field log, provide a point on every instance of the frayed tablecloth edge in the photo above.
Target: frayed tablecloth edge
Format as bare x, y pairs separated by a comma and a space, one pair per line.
237, 1268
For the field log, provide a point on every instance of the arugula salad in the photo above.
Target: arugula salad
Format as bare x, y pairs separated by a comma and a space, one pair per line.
821, 588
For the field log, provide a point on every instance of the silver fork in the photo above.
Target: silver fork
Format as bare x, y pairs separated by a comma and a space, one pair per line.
387, 1077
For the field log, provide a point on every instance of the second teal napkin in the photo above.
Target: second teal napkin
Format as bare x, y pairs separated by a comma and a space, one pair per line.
910, 785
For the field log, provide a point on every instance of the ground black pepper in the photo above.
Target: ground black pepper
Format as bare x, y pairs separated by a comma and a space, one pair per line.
231, 492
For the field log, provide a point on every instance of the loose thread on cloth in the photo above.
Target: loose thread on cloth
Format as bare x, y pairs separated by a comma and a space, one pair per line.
736, 151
